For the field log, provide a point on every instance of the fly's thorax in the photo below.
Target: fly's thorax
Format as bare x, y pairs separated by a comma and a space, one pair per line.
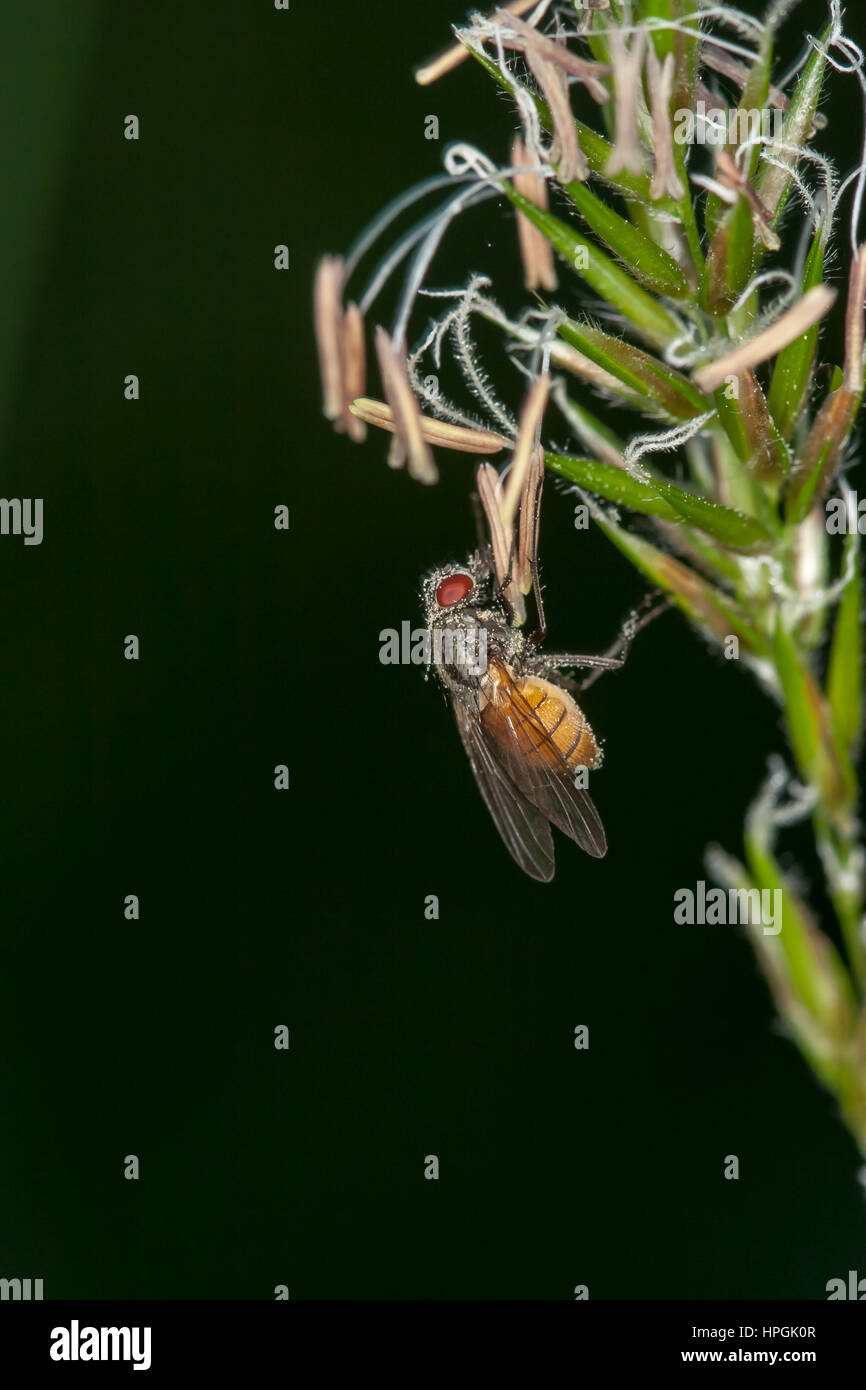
459, 646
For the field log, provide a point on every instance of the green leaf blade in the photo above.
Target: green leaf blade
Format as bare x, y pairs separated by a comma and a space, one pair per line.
641, 373
602, 274
845, 668
812, 733
655, 269
793, 370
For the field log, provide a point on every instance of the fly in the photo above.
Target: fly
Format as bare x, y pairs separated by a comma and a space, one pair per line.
529, 744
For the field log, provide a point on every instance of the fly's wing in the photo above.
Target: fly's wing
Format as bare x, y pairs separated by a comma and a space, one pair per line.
524, 829
532, 761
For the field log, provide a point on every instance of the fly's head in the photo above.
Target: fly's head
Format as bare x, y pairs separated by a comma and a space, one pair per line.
453, 591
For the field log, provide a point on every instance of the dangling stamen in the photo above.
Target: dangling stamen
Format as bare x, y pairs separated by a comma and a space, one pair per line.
814, 305
446, 436
535, 250
566, 152
409, 443
328, 317
453, 57
525, 39
354, 370
732, 177
527, 440
660, 79
627, 63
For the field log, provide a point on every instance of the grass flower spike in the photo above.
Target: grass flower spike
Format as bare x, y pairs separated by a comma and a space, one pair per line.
684, 237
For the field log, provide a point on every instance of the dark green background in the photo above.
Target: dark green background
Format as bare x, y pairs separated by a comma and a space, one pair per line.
260, 647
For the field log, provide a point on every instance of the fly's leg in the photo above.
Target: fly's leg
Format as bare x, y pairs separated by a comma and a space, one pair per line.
556, 674
551, 666
538, 634
651, 607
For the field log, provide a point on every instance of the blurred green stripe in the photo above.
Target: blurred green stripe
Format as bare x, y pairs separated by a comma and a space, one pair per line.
45, 53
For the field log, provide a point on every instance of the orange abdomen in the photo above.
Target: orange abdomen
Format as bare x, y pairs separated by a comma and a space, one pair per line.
562, 720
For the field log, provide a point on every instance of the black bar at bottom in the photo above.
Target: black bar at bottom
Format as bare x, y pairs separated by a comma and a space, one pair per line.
59, 1339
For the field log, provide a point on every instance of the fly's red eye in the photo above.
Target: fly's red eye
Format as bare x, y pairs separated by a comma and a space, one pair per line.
453, 589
